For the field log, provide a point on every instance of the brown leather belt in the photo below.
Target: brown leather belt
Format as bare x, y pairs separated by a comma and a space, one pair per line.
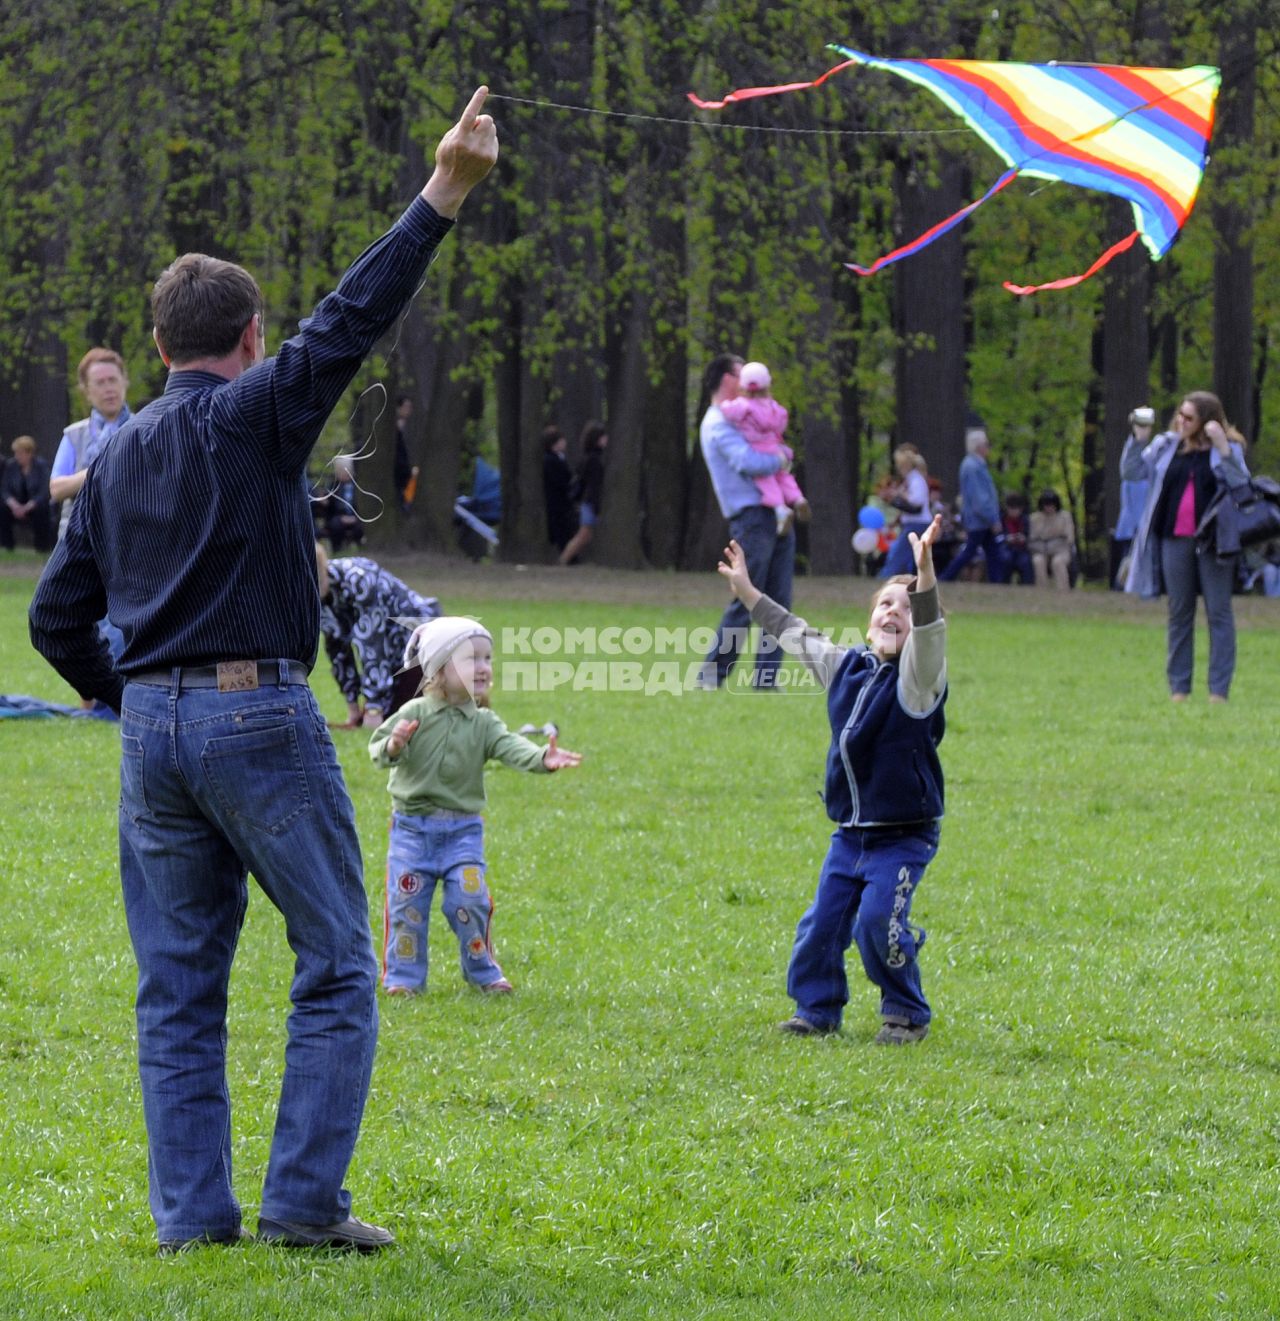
227, 676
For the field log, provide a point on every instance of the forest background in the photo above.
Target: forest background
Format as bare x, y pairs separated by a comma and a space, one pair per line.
611, 255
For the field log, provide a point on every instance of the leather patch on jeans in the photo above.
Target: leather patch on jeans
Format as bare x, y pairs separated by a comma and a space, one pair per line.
237, 676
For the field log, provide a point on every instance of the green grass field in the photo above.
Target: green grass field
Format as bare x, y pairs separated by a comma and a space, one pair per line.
1091, 1130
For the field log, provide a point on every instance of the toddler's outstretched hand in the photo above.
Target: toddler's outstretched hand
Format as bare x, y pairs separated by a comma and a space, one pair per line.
400, 735
556, 758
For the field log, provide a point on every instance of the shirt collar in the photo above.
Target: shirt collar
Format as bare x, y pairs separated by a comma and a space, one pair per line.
191, 379
437, 703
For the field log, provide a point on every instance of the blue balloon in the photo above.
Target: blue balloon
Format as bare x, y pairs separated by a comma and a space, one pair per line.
870, 516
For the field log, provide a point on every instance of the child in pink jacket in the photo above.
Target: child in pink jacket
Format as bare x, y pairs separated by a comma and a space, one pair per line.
762, 420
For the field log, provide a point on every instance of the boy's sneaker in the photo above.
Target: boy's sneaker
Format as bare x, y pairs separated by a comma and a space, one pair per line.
785, 519
402, 990
801, 1027
899, 1032
500, 987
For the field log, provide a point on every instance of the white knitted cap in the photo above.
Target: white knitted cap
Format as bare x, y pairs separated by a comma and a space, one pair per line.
434, 642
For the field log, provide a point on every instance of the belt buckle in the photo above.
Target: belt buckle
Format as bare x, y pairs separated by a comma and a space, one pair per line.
237, 676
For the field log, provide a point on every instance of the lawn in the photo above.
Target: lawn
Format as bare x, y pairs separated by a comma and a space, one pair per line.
1091, 1130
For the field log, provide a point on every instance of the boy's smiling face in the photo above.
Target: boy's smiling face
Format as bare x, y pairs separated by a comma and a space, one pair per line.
890, 621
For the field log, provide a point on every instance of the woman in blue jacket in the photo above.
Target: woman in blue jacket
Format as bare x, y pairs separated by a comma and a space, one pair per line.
884, 791
1184, 467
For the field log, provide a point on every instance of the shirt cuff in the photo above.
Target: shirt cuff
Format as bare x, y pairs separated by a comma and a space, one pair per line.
925, 607
423, 223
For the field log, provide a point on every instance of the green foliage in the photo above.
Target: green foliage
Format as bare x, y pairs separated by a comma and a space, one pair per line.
285, 135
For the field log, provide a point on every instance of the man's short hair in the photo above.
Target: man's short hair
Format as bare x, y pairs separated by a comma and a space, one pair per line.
95, 356
974, 438
717, 369
201, 306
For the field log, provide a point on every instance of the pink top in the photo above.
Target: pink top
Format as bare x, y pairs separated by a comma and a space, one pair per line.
1184, 523
760, 418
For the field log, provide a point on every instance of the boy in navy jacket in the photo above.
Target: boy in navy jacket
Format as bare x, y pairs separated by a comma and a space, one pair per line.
884, 791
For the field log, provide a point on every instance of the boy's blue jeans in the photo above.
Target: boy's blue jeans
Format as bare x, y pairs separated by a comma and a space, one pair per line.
868, 881
424, 850
214, 785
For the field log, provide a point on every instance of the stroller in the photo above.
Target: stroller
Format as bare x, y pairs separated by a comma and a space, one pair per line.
475, 516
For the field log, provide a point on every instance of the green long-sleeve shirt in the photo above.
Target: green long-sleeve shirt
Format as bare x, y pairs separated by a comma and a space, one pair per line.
442, 766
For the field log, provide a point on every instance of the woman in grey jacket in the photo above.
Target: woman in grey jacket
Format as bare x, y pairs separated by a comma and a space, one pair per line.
1184, 467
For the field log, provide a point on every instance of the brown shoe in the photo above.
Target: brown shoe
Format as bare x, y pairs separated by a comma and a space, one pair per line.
801, 1027
896, 1032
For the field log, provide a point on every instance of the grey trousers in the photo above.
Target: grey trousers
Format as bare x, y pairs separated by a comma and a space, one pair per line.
1185, 569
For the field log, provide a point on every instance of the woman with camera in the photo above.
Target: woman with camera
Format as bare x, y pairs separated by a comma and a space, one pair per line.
1184, 467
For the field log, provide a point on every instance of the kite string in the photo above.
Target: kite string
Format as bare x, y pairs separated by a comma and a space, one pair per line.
737, 128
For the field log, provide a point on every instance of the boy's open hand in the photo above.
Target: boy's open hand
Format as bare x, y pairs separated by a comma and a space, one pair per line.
400, 735
733, 569
922, 549
556, 758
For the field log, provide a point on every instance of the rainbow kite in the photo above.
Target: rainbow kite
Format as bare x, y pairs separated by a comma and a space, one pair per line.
1140, 134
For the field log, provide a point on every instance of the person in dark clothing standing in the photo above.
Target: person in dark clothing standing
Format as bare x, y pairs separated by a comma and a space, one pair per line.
1183, 468
193, 531
557, 488
590, 489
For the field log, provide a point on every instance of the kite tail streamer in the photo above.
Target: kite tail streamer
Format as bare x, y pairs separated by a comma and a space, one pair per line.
748, 93
1067, 281
936, 232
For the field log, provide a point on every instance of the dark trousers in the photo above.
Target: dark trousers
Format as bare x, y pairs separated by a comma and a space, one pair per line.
38, 520
986, 541
771, 564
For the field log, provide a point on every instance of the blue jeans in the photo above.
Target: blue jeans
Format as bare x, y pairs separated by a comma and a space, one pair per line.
864, 893
212, 786
424, 850
771, 563
990, 544
900, 558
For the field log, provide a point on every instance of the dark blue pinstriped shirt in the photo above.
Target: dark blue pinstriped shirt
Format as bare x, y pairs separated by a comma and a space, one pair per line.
193, 530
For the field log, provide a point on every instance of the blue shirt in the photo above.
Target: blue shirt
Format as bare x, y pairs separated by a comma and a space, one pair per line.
1133, 496
980, 505
732, 463
193, 531
67, 462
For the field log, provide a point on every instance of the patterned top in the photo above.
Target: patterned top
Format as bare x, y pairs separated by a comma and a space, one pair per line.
370, 613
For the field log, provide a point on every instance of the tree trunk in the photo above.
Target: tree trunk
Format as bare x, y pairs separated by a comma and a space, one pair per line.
1232, 212
1126, 358
929, 308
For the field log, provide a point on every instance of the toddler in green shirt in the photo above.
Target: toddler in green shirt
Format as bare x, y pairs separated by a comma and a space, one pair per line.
436, 747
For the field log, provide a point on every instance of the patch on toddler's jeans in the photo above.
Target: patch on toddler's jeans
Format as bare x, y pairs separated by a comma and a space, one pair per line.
476, 947
412, 915
406, 945
409, 884
471, 880
463, 916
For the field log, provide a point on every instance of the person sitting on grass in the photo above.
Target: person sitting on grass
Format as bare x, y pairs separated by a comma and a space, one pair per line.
884, 791
436, 748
